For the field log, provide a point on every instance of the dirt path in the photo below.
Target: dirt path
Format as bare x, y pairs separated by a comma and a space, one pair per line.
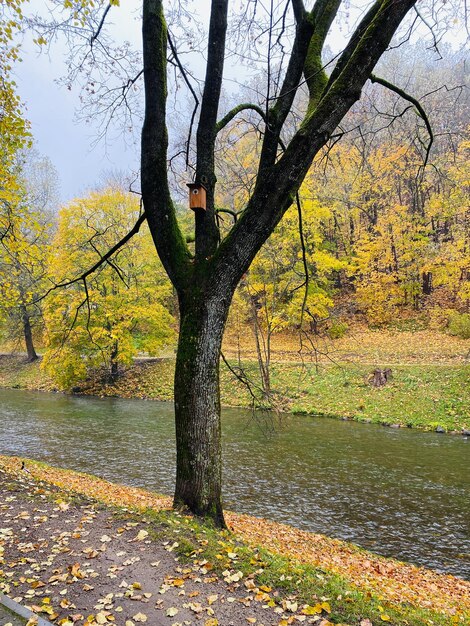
78, 563
390, 579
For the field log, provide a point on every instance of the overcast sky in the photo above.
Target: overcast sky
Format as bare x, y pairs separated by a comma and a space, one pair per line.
51, 108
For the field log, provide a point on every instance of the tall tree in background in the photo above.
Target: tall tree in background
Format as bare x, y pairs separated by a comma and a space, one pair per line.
290, 135
24, 247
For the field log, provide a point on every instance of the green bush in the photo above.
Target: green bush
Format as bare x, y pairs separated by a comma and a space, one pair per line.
459, 325
337, 330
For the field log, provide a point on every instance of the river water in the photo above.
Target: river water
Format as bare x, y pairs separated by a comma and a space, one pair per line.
400, 493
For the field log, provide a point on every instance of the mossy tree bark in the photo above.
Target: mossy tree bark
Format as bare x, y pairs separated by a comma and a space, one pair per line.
197, 407
205, 281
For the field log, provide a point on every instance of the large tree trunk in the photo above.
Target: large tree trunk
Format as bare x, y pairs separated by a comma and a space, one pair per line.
197, 406
28, 334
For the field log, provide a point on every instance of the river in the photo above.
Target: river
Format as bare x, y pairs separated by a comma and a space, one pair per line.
400, 493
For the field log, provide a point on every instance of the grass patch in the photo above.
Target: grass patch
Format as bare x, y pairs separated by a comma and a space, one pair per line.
283, 581
419, 396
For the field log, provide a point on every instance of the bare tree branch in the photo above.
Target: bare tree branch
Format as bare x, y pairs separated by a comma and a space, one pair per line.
184, 74
96, 34
103, 259
231, 114
415, 103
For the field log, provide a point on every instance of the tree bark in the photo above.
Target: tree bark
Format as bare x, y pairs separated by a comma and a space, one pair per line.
197, 406
114, 368
28, 334
427, 283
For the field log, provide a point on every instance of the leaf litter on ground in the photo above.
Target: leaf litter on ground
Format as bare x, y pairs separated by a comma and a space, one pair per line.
124, 576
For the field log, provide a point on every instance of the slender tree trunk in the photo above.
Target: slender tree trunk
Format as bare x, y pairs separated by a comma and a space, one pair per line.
197, 406
263, 364
114, 369
28, 334
427, 283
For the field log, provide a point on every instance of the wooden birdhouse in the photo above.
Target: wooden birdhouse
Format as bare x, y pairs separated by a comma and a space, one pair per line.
197, 196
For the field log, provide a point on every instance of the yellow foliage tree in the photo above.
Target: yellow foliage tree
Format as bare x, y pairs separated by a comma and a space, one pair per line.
104, 320
449, 211
14, 130
24, 248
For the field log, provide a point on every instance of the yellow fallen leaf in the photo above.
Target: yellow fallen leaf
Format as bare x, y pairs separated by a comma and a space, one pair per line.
139, 617
172, 611
75, 571
291, 606
312, 610
384, 617
141, 535
37, 583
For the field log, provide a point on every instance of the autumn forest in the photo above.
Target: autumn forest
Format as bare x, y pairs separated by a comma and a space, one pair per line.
234, 313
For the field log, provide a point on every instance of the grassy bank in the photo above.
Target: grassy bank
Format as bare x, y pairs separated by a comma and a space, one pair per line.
421, 396
272, 571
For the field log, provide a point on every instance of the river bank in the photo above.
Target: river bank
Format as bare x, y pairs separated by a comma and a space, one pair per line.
429, 397
113, 534
402, 493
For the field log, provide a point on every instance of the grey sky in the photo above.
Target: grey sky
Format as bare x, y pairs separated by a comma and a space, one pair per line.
51, 109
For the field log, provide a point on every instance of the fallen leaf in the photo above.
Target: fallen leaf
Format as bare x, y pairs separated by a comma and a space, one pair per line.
172, 611
141, 535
